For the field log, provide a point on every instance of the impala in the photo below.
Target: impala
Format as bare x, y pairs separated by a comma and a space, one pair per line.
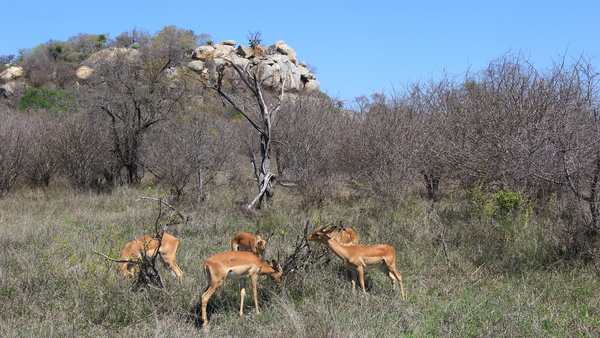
147, 246
236, 265
248, 242
360, 257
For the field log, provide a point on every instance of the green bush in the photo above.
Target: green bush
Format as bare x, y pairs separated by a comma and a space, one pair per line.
53, 100
500, 227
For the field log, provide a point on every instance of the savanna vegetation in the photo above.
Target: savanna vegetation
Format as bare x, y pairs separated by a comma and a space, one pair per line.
486, 184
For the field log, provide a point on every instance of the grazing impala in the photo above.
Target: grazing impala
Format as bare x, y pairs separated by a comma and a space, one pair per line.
360, 257
248, 242
148, 246
236, 265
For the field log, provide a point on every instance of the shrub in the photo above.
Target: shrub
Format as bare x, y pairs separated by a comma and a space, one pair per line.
53, 100
499, 226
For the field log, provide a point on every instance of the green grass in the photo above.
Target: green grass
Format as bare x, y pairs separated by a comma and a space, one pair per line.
52, 285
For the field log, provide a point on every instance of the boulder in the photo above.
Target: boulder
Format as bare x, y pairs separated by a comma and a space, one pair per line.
204, 53
11, 88
11, 73
212, 67
196, 65
245, 51
288, 72
287, 50
305, 74
258, 52
242, 62
110, 55
84, 72
223, 50
228, 43
312, 85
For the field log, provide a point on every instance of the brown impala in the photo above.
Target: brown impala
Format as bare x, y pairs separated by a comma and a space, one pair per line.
248, 242
236, 265
360, 257
148, 245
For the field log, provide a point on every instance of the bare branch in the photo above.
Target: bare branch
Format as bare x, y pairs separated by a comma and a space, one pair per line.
117, 260
175, 211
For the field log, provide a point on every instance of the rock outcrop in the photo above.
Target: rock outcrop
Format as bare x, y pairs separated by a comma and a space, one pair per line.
12, 88
11, 73
13, 84
276, 65
105, 56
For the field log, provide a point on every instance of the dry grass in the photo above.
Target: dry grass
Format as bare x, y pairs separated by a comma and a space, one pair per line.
51, 284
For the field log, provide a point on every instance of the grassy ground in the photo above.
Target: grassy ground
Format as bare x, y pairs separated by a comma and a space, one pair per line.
457, 281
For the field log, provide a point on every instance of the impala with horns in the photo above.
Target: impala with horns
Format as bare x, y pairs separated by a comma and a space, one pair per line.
240, 265
361, 257
248, 242
162, 244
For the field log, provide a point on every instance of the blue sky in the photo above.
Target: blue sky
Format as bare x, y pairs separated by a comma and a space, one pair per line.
358, 47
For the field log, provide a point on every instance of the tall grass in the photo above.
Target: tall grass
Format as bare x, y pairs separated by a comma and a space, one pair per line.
468, 271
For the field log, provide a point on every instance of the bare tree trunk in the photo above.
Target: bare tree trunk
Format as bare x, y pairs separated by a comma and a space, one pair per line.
198, 158
591, 229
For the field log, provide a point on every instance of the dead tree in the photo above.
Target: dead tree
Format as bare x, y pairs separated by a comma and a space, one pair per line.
250, 75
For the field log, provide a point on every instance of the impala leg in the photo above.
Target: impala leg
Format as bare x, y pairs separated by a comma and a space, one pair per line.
170, 264
361, 278
388, 272
242, 295
177, 271
205, 297
255, 290
353, 276
398, 277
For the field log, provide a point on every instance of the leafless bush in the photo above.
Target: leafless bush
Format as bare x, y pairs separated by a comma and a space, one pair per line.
39, 69
81, 148
306, 139
13, 130
378, 148
180, 152
40, 162
512, 125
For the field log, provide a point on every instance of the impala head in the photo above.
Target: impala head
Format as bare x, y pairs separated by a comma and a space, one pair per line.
321, 235
261, 244
278, 272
